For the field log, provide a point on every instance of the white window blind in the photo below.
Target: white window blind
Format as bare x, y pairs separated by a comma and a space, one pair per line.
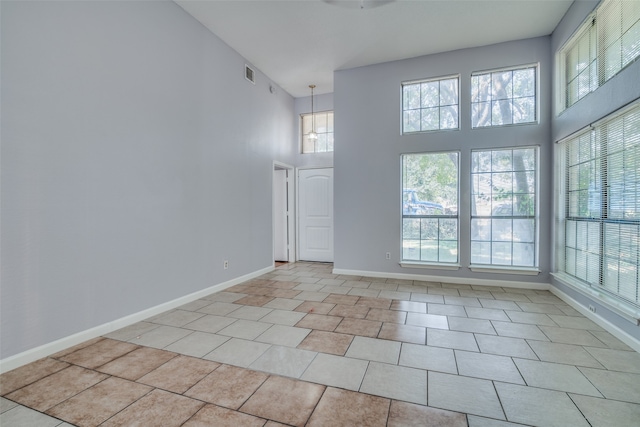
601, 236
608, 41
580, 64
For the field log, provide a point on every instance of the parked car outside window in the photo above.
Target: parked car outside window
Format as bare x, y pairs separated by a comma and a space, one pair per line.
412, 205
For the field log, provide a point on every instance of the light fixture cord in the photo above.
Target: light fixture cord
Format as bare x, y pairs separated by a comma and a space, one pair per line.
313, 116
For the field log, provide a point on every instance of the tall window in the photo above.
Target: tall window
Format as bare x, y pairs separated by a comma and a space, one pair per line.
430, 207
430, 105
503, 97
600, 223
503, 207
323, 127
608, 41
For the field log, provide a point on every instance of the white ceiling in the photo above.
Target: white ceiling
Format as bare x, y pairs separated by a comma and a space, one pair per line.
301, 42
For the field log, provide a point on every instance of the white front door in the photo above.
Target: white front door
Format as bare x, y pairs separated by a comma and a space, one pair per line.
315, 214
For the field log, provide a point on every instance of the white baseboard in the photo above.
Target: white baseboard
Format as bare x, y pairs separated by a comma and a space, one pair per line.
48, 349
600, 321
448, 279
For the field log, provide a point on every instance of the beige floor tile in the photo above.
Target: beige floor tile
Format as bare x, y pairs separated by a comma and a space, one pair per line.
403, 333
428, 320
227, 386
463, 394
412, 306
158, 408
361, 327
396, 382
451, 339
519, 330
238, 352
342, 299
314, 307
336, 371
539, 407
403, 414
382, 315
284, 400
464, 324
197, 344
487, 366
617, 360
289, 336
49, 391
353, 312
177, 318
100, 402
256, 300
555, 376
212, 415
428, 358
326, 342
505, 346
447, 310
99, 353
27, 374
179, 374
286, 361
571, 336
375, 302
137, 363
379, 350
622, 386
346, 408
606, 413
21, 416
319, 322
563, 353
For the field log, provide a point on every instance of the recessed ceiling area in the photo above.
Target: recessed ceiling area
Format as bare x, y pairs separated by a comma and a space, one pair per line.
300, 42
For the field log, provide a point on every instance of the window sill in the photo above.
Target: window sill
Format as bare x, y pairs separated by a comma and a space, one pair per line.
432, 265
623, 310
526, 271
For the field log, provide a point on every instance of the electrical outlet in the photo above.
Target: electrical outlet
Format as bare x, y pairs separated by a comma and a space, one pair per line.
388, 255
226, 264
592, 309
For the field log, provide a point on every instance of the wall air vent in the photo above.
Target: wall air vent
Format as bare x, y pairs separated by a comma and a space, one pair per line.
249, 74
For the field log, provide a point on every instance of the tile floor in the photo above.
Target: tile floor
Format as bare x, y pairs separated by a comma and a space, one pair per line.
302, 346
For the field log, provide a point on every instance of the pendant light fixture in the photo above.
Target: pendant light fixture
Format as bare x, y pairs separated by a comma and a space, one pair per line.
312, 136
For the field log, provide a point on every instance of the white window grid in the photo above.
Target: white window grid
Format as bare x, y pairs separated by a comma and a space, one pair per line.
504, 208
429, 105
323, 128
430, 232
506, 96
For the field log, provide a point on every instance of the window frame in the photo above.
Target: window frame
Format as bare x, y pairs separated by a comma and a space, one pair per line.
593, 283
510, 268
303, 136
439, 107
536, 95
430, 264
592, 28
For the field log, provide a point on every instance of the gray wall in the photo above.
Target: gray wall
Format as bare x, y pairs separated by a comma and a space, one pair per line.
614, 94
302, 105
135, 159
367, 155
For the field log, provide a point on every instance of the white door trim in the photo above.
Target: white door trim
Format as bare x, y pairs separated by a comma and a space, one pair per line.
291, 209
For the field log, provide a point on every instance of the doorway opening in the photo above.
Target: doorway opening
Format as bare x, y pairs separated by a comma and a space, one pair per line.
283, 204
